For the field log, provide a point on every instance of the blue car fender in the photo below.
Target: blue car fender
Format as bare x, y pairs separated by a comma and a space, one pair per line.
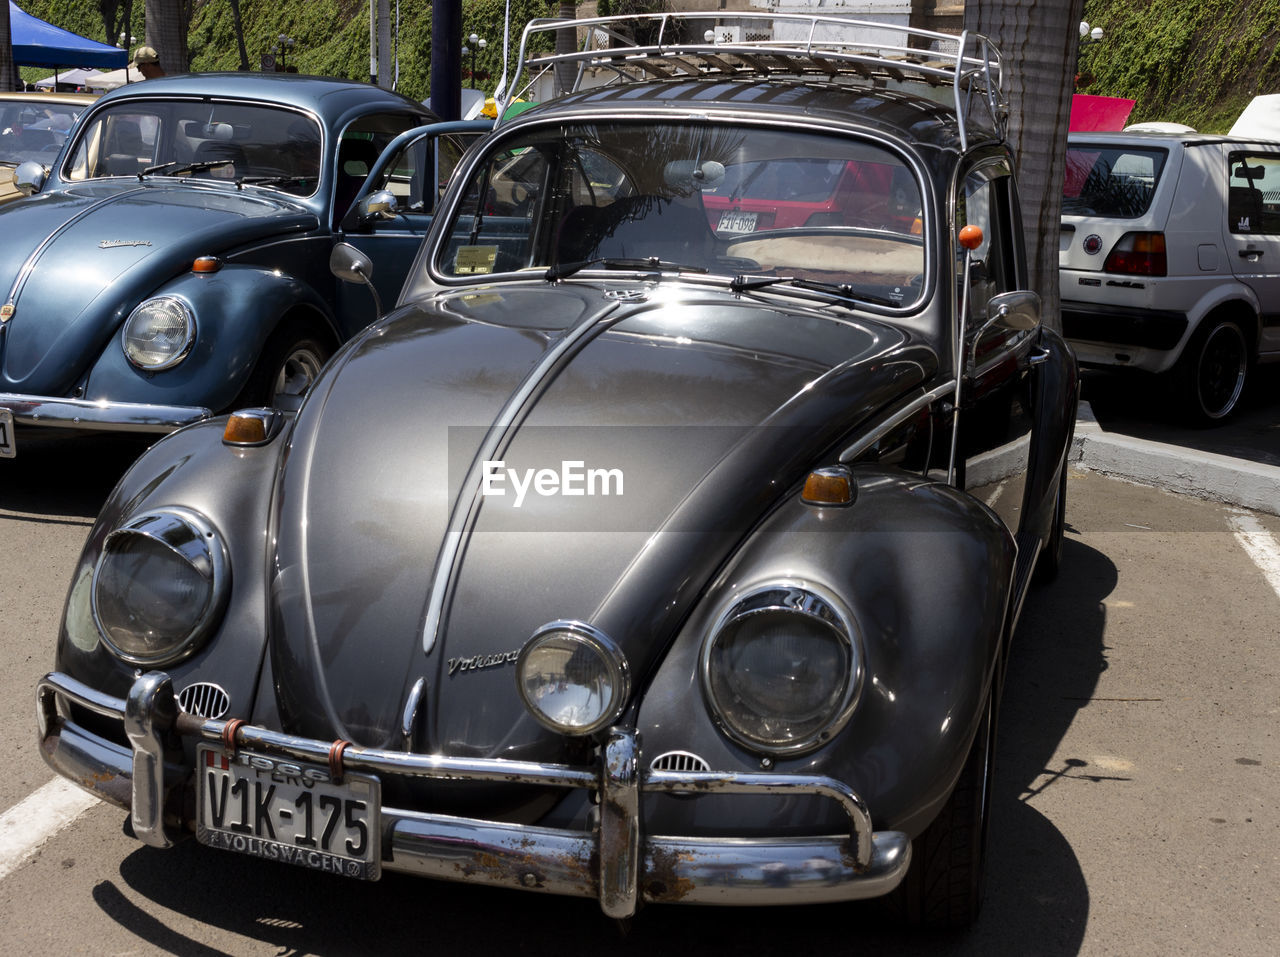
236, 311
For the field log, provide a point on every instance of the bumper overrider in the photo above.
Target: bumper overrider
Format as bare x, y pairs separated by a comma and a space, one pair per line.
615, 861
51, 412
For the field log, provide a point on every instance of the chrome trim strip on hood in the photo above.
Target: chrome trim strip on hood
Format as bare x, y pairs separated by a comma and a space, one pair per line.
27, 267
499, 436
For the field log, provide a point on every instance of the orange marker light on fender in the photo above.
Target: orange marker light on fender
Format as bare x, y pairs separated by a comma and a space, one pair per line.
206, 264
245, 428
971, 237
832, 485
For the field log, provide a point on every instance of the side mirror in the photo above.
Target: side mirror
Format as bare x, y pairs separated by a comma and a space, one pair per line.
29, 177
351, 265
379, 205
1016, 311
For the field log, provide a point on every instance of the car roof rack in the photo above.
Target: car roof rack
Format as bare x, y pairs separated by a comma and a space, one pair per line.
630, 48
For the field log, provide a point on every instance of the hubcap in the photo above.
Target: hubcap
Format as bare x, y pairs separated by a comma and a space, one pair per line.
297, 372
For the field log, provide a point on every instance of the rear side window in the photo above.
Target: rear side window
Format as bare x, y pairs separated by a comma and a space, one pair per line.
1253, 193
1111, 181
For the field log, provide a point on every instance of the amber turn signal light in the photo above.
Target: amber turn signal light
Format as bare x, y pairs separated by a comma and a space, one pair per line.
832, 485
245, 428
206, 264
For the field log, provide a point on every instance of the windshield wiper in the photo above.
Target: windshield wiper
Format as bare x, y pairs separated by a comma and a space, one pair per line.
565, 270
174, 169
841, 290
273, 180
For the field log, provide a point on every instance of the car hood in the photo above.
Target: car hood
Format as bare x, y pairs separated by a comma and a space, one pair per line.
74, 263
711, 407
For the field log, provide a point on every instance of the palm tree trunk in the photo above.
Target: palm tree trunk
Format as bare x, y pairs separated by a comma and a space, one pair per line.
238, 25
566, 42
8, 73
167, 32
1039, 42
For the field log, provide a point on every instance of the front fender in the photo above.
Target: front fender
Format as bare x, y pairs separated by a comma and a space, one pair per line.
236, 310
231, 487
926, 572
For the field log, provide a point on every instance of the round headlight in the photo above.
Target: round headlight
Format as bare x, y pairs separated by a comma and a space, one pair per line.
159, 333
782, 669
159, 586
572, 677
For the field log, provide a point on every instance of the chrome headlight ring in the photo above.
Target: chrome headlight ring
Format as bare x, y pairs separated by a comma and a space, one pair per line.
158, 334
160, 586
782, 667
573, 678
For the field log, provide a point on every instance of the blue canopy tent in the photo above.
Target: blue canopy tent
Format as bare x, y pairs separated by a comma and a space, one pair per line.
36, 43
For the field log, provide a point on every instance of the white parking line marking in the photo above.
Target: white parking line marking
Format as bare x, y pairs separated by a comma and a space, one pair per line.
1260, 545
27, 825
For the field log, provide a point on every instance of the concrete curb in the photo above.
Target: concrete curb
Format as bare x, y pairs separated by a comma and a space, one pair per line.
1218, 478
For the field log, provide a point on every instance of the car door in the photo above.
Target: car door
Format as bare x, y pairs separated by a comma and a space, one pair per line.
994, 440
403, 186
1253, 231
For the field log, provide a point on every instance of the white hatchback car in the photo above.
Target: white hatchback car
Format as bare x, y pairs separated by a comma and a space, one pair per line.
1169, 259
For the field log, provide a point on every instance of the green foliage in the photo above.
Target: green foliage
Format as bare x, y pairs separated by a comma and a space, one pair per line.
331, 37
1194, 63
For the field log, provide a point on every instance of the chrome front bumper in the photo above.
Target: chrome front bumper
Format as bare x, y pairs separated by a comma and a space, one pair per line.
50, 412
615, 862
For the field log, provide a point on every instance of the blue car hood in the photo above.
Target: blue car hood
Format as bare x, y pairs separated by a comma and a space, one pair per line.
75, 262
710, 406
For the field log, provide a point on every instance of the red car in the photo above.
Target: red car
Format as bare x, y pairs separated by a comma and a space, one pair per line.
795, 193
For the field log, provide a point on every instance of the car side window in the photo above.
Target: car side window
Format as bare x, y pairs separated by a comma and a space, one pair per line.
1253, 193
986, 201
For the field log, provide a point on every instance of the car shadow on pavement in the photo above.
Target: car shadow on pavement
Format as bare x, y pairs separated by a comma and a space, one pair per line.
1037, 897
66, 475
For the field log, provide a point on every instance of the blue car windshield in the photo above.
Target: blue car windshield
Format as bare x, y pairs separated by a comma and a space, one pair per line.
233, 141
735, 201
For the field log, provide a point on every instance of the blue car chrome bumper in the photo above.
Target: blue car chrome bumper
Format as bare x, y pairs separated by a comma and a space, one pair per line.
50, 412
615, 862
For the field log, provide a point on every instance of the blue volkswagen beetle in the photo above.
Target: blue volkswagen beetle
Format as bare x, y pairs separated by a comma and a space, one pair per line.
173, 261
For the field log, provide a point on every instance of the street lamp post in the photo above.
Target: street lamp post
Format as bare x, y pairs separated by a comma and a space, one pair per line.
477, 43
284, 43
1089, 35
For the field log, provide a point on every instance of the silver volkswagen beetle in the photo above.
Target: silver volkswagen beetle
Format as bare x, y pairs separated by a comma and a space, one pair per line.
663, 544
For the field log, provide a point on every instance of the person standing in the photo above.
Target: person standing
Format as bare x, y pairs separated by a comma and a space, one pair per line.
147, 62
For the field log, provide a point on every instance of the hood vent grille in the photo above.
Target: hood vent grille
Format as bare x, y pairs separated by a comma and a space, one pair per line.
679, 761
204, 699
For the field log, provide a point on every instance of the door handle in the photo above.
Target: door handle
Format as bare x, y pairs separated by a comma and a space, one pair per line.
1251, 254
1038, 356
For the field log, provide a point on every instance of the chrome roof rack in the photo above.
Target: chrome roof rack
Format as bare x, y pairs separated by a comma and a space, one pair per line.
621, 49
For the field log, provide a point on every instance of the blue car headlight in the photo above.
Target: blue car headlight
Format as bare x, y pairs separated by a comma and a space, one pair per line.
160, 586
159, 333
782, 668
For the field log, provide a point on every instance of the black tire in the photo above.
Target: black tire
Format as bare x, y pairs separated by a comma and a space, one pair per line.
1049, 561
288, 366
1210, 376
944, 885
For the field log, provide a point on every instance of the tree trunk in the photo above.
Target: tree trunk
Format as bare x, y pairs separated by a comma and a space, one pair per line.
1039, 42
8, 72
238, 25
167, 32
566, 42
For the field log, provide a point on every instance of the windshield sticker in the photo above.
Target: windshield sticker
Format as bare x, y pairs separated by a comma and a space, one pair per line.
475, 259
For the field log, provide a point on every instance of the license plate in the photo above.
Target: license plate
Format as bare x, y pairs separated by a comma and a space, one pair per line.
287, 811
736, 221
8, 446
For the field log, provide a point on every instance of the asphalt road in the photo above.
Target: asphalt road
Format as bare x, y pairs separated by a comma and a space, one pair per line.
1136, 810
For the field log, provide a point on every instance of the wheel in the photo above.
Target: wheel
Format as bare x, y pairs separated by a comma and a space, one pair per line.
943, 887
1049, 561
1210, 376
289, 365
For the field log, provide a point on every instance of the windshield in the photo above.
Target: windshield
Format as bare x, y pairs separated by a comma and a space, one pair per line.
31, 130
1112, 181
731, 201
233, 141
